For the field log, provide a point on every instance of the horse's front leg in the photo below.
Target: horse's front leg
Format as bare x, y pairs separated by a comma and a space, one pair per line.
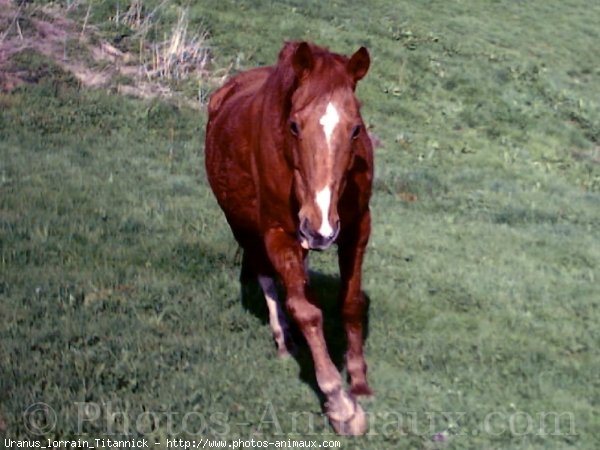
286, 255
351, 248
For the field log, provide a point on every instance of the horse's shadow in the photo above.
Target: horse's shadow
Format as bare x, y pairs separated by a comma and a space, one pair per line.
326, 288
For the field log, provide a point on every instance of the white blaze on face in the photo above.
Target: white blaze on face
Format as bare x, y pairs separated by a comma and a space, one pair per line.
329, 120
323, 199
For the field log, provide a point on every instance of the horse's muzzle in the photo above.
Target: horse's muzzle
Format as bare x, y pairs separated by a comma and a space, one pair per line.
311, 239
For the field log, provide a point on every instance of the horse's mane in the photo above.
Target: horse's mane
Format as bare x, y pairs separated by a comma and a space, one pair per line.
329, 72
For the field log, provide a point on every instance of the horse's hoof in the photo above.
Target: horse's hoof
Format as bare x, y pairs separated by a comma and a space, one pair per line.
285, 352
286, 347
356, 425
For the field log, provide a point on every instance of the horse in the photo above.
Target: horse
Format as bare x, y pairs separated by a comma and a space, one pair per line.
290, 163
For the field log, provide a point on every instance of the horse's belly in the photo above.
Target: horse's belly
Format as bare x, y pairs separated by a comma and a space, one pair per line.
238, 200
230, 176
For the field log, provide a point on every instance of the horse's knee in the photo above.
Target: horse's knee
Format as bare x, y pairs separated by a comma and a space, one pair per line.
304, 313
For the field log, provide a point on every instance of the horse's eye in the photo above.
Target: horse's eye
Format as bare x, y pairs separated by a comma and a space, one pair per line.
355, 131
294, 128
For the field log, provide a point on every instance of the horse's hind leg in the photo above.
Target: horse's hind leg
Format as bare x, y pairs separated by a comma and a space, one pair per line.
277, 318
253, 268
247, 276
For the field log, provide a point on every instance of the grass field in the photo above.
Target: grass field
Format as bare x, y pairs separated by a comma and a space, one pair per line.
119, 299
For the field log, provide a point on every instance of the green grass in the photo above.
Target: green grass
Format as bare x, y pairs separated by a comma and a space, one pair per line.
118, 275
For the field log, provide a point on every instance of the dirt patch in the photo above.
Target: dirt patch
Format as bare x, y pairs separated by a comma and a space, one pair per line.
592, 155
78, 50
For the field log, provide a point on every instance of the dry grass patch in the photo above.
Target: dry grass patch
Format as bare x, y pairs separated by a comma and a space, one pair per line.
184, 55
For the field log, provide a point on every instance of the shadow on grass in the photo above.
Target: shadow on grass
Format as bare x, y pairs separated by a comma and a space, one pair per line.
198, 259
326, 288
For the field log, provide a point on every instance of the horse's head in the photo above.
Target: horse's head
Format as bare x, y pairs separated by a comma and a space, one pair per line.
324, 127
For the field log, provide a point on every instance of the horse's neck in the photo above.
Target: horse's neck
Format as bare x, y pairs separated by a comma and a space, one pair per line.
273, 108
273, 168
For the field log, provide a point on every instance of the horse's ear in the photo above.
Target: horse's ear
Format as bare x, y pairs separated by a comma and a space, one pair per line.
302, 60
358, 66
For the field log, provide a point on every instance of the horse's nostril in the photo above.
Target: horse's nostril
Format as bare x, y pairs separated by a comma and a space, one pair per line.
305, 227
336, 228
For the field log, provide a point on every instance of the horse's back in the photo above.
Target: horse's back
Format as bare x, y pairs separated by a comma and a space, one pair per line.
239, 89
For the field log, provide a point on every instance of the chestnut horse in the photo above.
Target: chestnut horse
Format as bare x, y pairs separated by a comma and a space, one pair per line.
291, 165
